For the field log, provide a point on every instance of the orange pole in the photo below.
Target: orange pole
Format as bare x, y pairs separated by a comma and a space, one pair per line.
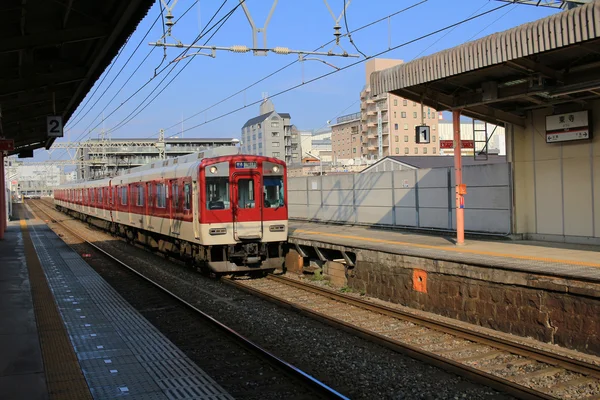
3, 215
460, 211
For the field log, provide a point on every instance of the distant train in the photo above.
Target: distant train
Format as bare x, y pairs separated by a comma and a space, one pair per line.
219, 210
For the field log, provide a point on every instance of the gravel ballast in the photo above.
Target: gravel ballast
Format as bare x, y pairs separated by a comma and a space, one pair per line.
354, 366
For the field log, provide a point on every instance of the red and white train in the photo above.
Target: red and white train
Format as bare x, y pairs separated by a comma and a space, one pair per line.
220, 210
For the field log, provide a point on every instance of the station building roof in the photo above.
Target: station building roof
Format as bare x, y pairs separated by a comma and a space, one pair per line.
51, 54
550, 62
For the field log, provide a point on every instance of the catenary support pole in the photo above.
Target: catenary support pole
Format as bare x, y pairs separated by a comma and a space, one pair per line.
460, 211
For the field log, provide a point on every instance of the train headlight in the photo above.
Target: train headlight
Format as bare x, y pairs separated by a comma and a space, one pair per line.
276, 169
213, 170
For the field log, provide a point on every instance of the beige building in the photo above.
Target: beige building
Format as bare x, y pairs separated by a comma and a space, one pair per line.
346, 138
396, 119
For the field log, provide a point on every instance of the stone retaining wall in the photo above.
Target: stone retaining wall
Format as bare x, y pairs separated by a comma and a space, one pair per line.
549, 309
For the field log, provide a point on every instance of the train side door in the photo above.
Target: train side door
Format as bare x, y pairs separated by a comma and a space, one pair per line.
175, 205
246, 206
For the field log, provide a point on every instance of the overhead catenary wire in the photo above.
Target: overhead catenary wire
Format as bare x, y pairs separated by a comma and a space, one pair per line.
121, 70
348, 30
91, 96
130, 117
351, 65
290, 64
147, 82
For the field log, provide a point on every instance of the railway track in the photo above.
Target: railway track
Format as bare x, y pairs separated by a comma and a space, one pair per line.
519, 370
215, 341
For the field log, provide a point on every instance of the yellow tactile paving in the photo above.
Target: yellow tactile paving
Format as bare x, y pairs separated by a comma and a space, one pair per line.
63, 374
453, 249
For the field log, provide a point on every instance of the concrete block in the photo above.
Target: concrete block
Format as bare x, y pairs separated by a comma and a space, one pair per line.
294, 262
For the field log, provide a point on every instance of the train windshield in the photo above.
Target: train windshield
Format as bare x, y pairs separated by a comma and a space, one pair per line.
273, 191
217, 193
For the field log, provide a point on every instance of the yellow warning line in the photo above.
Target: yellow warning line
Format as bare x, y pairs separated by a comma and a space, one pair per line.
452, 249
64, 377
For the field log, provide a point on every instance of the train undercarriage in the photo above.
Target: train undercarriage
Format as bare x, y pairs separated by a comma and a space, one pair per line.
247, 258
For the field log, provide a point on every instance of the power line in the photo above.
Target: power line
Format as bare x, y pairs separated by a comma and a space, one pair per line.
348, 31
84, 134
130, 117
103, 78
353, 64
292, 63
121, 70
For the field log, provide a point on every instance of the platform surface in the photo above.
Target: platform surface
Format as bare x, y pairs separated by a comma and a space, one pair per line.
570, 261
116, 351
21, 366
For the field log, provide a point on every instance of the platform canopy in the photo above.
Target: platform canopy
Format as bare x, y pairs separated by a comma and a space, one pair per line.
51, 54
552, 61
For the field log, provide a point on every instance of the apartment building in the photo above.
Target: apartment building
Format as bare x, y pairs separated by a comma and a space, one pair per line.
271, 134
388, 122
346, 138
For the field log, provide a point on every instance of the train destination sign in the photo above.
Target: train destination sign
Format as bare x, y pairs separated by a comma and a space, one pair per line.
568, 127
245, 164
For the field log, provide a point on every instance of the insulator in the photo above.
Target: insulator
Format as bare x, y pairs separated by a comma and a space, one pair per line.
336, 31
239, 49
281, 50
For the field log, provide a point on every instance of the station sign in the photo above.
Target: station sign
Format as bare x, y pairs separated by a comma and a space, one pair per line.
568, 127
7, 144
464, 144
54, 126
423, 134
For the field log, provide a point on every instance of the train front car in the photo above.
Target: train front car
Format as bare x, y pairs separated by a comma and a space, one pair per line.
243, 213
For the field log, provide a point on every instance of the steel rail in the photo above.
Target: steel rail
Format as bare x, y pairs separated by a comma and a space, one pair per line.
480, 376
286, 366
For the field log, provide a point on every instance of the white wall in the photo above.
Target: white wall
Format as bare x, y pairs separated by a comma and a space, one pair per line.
557, 185
419, 198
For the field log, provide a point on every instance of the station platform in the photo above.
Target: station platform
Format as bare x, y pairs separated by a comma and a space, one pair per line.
67, 334
558, 259
535, 290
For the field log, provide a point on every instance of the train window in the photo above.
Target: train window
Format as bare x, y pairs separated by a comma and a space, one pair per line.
175, 195
160, 196
100, 195
246, 193
273, 191
140, 195
217, 193
92, 196
124, 195
187, 196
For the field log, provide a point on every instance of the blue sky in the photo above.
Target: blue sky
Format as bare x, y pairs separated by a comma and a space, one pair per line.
299, 25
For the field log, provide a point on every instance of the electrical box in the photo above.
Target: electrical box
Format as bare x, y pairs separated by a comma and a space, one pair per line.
423, 135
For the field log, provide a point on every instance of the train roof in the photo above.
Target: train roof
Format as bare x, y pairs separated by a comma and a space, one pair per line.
164, 168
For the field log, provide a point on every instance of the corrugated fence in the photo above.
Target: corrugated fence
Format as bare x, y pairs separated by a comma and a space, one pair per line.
423, 198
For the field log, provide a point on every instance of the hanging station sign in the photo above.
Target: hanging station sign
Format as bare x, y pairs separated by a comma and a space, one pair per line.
464, 144
568, 127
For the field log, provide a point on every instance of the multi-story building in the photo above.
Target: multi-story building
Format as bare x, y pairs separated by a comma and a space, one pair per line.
33, 180
272, 134
100, 158
389, 121
346, 138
